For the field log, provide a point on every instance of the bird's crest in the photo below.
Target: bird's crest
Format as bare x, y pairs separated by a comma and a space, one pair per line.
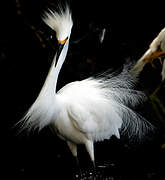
60, 21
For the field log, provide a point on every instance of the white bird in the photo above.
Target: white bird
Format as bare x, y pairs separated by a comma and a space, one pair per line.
156, 50
87, 111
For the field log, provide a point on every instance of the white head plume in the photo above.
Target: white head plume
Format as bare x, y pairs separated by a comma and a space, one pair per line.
61, 21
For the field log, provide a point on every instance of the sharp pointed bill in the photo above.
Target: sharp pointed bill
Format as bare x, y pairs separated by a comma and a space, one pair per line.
155, 51
59, 49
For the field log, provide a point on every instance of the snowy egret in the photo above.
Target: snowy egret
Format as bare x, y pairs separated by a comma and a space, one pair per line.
156, 50
87, 111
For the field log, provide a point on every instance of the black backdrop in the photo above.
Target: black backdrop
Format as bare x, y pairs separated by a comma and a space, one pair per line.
24, 63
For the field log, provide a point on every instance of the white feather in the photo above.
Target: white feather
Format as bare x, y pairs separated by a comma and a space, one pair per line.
99, 107
61, 22
86, 111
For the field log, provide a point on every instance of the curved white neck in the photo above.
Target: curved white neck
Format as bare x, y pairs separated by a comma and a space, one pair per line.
52, 77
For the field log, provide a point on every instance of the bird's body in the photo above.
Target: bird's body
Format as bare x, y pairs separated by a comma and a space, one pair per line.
86, 111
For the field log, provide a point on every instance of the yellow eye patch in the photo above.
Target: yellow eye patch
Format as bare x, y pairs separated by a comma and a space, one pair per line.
62, 41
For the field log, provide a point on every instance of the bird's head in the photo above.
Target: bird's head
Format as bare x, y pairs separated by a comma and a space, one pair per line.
61, 22
156, 49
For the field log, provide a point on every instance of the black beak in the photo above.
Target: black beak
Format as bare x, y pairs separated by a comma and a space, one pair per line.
59, 49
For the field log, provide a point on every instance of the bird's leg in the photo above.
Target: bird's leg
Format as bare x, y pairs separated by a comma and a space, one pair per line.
90, 148
73, 149
78, 166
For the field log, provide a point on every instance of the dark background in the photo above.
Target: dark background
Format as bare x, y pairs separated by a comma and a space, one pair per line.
27, 47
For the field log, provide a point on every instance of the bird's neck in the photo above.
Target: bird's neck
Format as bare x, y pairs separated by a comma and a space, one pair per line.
46, 106
51, 80
60, 63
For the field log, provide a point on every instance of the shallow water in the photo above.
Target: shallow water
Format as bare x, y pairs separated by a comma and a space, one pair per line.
107, 173
49, 157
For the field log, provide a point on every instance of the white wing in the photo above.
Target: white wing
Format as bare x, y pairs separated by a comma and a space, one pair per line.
89, 111
100, 107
